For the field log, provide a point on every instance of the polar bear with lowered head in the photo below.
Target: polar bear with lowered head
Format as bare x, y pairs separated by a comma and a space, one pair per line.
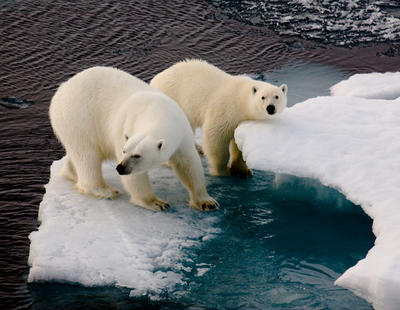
217, 102
104, 113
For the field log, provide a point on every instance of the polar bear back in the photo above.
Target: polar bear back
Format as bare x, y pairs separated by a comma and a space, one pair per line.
89, 100
192, 84
99, 88
95, 106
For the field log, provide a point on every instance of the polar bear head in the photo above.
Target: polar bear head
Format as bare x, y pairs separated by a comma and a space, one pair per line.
140, 154
267, 100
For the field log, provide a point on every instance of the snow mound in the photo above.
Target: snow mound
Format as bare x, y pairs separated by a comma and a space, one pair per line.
353, 145
370, 85
111, 242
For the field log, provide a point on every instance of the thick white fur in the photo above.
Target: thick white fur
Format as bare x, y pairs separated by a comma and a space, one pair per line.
217, 102
104, 113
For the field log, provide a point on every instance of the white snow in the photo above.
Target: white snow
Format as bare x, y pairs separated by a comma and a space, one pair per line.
370, 85
353, 145
103, 242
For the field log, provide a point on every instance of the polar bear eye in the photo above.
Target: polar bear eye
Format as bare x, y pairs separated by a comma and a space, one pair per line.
276, 97
136, 156
262, 98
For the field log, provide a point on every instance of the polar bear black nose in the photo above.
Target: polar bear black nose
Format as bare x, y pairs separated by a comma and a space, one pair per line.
121, 169
271, 109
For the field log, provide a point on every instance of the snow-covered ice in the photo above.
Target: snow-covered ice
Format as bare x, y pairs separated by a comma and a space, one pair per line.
370, 85
98, 242
353, 145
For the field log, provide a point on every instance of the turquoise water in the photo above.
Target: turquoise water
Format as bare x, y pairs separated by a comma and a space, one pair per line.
284, 240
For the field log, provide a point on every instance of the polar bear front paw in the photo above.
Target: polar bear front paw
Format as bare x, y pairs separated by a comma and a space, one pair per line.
107, 192
159, 204
241, 172
153, 204
208, 204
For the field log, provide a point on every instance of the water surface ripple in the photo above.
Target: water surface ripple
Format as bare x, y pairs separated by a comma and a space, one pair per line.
343, 22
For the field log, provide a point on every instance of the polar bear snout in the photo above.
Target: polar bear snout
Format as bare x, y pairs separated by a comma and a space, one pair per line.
271, 110
122, 169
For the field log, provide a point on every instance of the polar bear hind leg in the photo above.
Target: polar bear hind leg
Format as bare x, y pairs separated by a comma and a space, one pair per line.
238, 165
216, 149
199, 149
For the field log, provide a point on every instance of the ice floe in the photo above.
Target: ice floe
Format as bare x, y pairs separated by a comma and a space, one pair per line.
353, 145
95, 243
370, 85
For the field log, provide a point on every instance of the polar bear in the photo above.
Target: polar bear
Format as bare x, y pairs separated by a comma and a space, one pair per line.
217, 102
105, 113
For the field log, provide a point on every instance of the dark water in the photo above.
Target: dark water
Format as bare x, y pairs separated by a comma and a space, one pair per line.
342, 23
42, 43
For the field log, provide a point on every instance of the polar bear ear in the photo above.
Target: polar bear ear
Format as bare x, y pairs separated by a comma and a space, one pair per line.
254, 89
160, 144
283, 88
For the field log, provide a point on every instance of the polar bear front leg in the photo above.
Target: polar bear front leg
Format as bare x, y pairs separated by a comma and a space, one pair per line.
216, 149
190, 171
90, 178
68, 170
141, 191
238, 165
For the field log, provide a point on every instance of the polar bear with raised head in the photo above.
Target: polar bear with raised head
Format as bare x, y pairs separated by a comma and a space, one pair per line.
217, 102
105, 113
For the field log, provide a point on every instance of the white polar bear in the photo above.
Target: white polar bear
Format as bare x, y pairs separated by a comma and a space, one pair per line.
104, 113
217, 102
